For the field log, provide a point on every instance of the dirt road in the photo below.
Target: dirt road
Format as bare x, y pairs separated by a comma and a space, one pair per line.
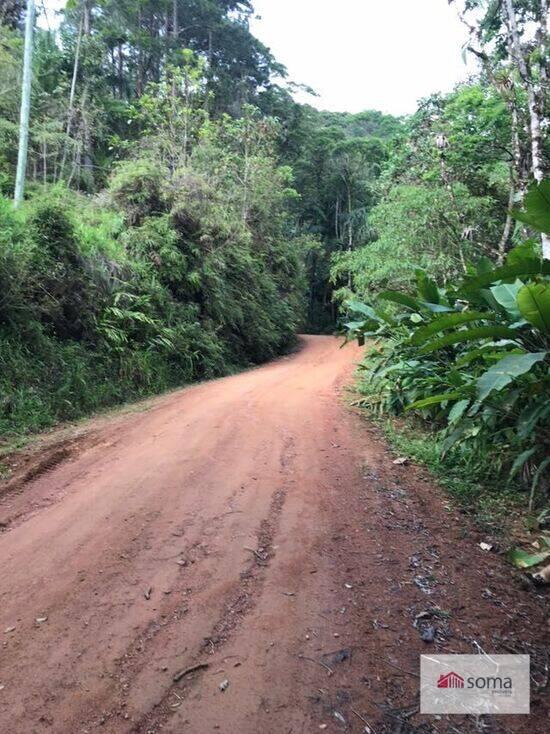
256, 527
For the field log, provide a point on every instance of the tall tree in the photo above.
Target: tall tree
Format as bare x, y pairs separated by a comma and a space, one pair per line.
25, 105
510, 39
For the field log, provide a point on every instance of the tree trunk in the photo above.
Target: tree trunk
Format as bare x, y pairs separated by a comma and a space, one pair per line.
534, 100
120, 71
533, 94
246, 173
504, 243
70, 111
175, 21
86, 17
87, 151
44, 161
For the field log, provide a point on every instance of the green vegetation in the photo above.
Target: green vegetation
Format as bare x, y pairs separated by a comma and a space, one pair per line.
185, 217
451, 280
186, 267
472, 360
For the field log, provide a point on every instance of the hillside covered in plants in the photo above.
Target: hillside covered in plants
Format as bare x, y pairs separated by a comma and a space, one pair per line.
184, 217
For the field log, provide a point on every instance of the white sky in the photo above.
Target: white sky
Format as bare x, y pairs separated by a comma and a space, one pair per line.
360, 54
365, 54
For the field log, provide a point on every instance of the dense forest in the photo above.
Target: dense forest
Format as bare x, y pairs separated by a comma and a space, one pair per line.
185, 217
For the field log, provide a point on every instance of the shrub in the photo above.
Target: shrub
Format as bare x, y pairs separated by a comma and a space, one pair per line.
136, 188
472, 361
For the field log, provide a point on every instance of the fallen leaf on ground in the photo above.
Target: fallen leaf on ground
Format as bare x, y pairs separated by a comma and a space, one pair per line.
522, 559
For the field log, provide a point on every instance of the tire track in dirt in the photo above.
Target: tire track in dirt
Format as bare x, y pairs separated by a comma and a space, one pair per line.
238, 604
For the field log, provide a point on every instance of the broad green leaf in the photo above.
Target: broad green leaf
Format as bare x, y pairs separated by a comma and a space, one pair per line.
468, 335
489, 299
526, 251
505, 294
427, 288
522, 559
534, 304
457, 411
517, 269
358, 307
448, 321
434, 399
506, 371
536, 207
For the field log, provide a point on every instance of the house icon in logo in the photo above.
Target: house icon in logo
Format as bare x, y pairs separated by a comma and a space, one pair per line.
450, 680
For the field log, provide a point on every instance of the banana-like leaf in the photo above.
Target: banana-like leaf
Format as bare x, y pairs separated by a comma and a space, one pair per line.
522, 559
506, 371
468, 335
364, 308
448, 321
532, 266
536, 207
526, 251
435, 399
534, 304
506, 295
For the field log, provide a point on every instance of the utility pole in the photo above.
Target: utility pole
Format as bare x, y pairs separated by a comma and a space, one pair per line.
25, 105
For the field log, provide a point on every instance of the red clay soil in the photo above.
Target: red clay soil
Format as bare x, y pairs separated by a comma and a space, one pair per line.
257, 528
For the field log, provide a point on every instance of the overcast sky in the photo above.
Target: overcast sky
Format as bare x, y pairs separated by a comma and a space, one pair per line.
361, 54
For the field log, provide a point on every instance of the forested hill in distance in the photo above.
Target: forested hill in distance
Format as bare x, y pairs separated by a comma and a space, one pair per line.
184, 217
163, 237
